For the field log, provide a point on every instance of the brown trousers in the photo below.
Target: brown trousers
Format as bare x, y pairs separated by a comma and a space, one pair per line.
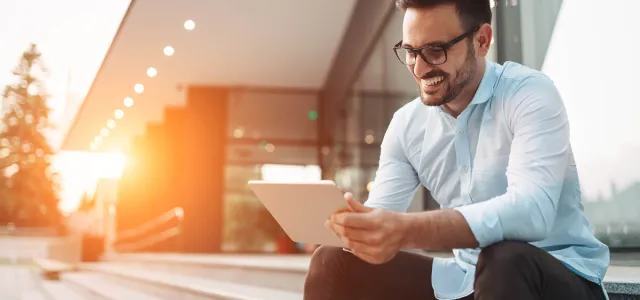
506, 270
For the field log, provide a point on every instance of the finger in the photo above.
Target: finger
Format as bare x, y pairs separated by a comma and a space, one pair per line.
372, 259
352, 234
366, 221
355, 205
332, 227
372, 255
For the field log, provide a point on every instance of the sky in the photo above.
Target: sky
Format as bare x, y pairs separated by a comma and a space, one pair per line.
73, 36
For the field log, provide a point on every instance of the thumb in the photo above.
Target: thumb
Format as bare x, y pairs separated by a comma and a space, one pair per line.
355, 205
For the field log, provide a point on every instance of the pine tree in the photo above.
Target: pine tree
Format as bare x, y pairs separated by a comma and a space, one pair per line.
31, 196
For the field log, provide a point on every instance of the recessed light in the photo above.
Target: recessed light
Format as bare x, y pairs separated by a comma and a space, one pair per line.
369, 139
270, 147
104, 132
168, 51
111, 124
189, 25
118, 114
128, 102
97, 139
152, 72
139, 88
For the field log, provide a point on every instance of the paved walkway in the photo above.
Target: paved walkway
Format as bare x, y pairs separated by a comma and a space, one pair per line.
19, 282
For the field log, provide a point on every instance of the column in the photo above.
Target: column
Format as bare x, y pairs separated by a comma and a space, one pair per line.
204, 156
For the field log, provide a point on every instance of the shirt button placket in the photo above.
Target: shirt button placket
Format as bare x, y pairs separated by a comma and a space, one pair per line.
464, 156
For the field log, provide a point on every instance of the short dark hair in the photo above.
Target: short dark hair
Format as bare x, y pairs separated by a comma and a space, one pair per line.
471, 12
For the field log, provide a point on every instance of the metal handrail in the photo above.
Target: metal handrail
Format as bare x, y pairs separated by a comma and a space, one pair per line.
150, 241
177, 212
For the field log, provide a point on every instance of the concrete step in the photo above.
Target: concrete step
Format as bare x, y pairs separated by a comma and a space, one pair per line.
99, 286
287, 272
20, 282
156, 282
281, 272
58, 290
623, 283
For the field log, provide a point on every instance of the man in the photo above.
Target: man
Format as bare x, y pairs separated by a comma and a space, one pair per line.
491, 143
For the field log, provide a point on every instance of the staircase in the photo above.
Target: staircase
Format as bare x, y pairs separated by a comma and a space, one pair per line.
125, 275
157, 276
229, 277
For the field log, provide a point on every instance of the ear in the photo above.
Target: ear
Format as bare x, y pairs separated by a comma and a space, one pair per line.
483, 39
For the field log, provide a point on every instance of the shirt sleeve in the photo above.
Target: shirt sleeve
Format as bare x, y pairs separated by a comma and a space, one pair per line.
538, 162
396, 180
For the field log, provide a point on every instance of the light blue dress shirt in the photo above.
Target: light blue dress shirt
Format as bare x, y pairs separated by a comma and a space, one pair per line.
505, 163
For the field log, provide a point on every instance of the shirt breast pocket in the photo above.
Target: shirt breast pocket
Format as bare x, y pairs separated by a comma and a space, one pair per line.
488, 177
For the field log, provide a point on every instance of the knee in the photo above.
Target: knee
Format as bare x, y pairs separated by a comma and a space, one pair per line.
504, 259
326, 260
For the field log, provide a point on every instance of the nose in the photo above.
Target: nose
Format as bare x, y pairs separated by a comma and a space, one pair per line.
421, 68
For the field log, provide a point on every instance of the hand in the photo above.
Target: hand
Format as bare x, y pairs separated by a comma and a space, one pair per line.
372, 234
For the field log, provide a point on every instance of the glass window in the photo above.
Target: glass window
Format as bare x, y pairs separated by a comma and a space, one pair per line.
599, 99
279, 115
383, 86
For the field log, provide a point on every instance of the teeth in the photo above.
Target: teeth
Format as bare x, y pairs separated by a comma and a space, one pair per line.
434, 80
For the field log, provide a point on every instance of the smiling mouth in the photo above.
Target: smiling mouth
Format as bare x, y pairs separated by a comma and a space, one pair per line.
434, 81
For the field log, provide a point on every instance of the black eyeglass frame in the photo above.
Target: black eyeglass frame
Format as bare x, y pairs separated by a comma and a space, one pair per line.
444, 47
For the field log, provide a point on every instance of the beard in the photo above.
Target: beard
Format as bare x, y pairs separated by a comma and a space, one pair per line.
450, 89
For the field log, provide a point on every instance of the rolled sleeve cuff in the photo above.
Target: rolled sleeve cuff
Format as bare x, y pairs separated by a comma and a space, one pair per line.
483, 221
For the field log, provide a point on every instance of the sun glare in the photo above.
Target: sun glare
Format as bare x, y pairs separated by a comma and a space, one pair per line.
80, 172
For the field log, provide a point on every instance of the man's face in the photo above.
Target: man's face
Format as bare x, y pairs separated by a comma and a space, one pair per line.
442, 83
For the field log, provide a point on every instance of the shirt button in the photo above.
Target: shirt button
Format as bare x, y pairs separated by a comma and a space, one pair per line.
465, 169
460, 131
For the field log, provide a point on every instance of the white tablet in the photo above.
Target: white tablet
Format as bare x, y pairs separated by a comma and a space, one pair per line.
302, 208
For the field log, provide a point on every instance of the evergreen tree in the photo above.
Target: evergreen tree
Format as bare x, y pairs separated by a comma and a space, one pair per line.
31, 196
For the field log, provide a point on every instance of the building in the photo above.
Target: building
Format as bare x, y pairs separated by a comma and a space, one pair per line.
203, 94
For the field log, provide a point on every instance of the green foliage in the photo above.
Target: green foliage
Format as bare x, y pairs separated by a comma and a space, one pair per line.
28, 189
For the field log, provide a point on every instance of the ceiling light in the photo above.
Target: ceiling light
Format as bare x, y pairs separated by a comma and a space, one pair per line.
111, 124
189, 25
238, 133
118, 114
128, 102
168, 51
97, 139
104, 132
139, 88
269, 147
152, 72
369, 139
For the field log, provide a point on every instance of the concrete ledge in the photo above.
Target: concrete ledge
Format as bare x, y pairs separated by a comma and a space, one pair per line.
623, 281
96, 285
192, 284
51, 268
620, 281
274, 263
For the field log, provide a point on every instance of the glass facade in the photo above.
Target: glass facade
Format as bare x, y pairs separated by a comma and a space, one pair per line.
550, 36
557, 38
265, 127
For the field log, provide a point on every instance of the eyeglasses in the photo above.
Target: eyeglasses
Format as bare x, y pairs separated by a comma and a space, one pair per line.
431, 54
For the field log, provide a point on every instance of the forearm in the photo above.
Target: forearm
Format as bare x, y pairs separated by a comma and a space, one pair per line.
437, 230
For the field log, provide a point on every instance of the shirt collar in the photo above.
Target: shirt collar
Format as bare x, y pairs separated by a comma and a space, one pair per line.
486, 87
